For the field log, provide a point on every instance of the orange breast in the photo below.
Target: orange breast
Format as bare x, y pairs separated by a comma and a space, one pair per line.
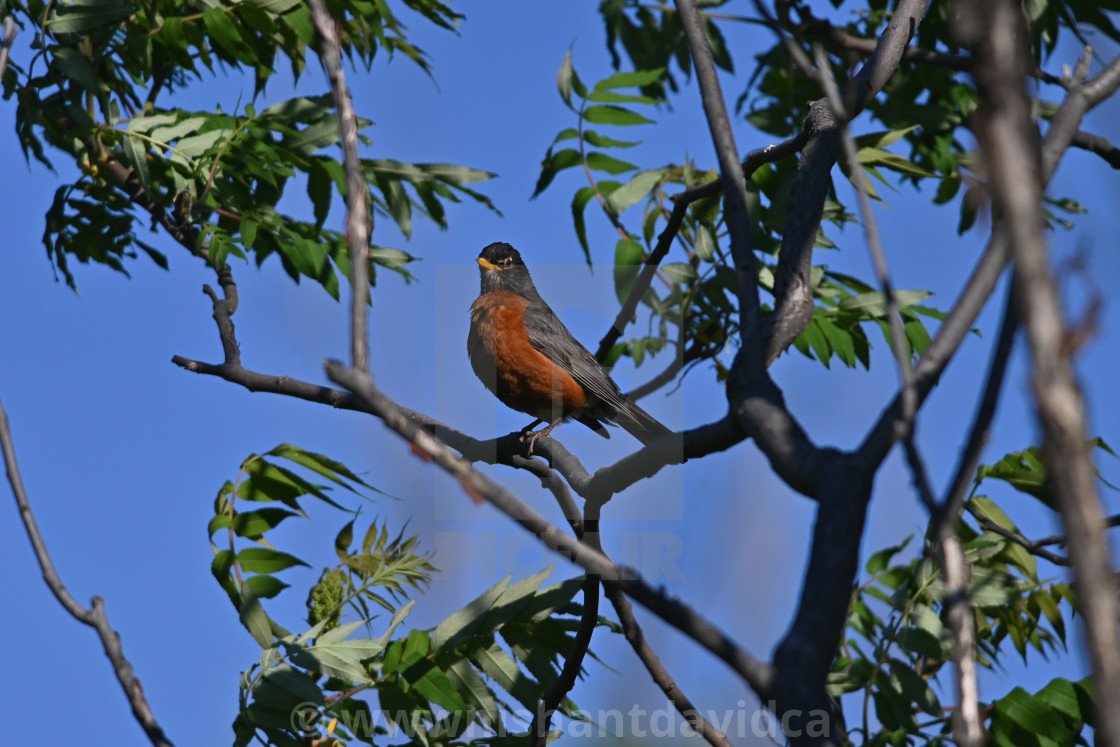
516, 372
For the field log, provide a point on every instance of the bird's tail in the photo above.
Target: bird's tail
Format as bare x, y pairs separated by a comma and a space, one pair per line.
640, 424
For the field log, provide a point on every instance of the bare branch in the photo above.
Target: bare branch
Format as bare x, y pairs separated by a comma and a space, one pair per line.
539, 728
7, 38
734, 191
968, 729
756, 674
1034, 548
942, 520
1102, 146
358, 217
838, 37
95, 616
1008, 143
637, 640
681, 201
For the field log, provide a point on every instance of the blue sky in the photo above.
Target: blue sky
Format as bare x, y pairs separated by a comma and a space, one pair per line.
122, 452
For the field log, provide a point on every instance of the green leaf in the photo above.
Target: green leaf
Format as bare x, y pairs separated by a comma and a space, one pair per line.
602, 162
474, 690
634, 190
873, 305
579, 203
136, 153
880, 560
266, 560
993, 513
500, 667
564, 78
343, 539
254, 618
704, 244
553, 164
915, 687
458, 626
678, 273
253, 524
75, 19
434, 685
627, 264
602, 141
265, 587
635, 79
614, 115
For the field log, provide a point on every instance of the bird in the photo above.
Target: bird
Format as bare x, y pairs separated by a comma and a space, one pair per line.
525, 355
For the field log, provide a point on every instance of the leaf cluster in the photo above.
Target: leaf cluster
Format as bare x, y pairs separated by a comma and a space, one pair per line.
214, 180
898, 644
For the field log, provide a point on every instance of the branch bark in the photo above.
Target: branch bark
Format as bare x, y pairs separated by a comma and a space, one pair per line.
358, 217
95, 616
1008, 142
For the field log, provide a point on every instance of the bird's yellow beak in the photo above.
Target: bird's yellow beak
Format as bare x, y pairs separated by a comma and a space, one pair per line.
488, 265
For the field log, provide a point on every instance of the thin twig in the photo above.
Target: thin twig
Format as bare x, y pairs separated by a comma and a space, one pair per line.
841, 38
943, 520
1032, 547
681, 201
573, 662
358, 218
637, 640
95, 616
899, 345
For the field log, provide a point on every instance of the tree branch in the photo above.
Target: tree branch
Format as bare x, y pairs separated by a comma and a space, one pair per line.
95, 616
1034, 548
793, 308
7, 38
1008, 143
734, 191
1099, 145
756, 674
637, 640
838, 37
358, 218
681, 201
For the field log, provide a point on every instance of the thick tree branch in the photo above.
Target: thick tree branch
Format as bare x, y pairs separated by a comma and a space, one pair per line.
793, 308
1008, 143
95, 616
358, 217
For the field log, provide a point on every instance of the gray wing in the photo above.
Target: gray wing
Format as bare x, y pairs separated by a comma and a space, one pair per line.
551, 338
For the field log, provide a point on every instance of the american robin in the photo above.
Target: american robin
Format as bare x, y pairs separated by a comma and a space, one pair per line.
525, 355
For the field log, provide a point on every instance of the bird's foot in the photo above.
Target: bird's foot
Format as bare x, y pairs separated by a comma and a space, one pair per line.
532, 438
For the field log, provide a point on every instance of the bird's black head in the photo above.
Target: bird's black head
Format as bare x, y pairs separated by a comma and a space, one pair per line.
503, 269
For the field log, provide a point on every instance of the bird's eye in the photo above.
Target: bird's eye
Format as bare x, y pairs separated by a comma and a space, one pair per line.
507, 260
